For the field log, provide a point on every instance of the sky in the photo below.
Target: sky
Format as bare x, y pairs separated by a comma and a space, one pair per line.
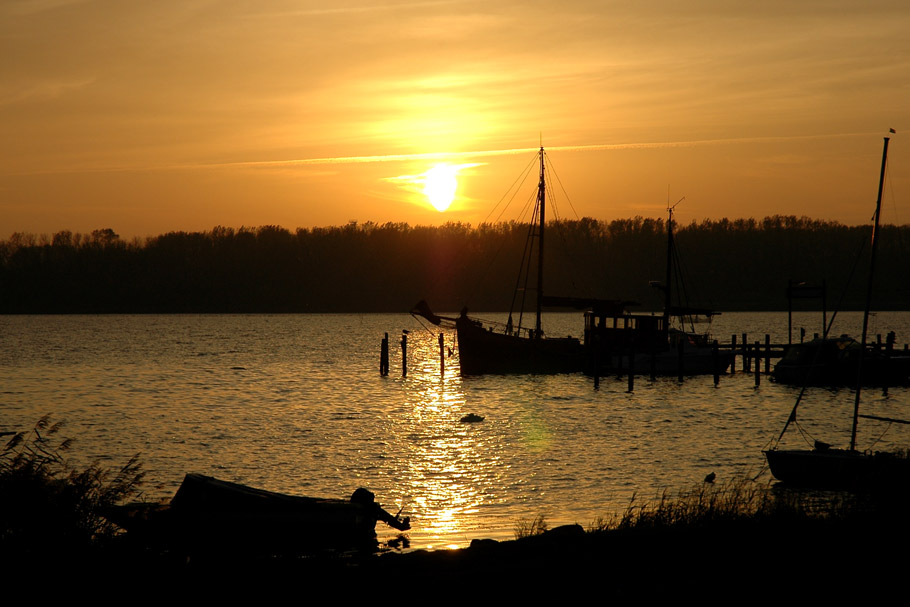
151, 116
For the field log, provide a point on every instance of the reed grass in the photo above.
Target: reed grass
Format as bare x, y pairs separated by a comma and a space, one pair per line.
736, 501
530, 526
48, 505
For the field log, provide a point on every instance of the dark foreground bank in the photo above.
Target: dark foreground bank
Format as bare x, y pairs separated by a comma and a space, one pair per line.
735, 561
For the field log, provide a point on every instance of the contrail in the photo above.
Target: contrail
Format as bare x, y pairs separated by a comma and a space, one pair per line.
564, 148
303, 162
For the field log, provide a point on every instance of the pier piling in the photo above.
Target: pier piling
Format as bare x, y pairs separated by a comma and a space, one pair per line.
757, 364
384, 356
404, 354
716, 362
442, 355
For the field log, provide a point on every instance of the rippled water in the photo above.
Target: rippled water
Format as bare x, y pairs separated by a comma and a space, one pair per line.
295, 403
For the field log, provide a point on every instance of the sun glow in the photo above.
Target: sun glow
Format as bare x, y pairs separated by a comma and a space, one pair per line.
439, 185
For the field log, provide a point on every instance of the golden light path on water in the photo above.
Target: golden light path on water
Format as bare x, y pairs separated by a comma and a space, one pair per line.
443, 469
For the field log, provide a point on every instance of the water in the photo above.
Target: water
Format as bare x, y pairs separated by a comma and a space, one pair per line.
295, 403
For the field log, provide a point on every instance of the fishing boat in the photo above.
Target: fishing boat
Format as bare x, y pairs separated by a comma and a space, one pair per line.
824, 466
651, 341
489, 348
212, 515
612, 334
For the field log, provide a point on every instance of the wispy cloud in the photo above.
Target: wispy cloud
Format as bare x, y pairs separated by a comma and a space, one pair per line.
42, 91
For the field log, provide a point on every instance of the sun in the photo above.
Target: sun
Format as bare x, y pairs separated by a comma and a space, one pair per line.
439, 185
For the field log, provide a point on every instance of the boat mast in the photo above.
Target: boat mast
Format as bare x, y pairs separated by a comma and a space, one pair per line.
541, 200
668, 283
670, 251
862, 352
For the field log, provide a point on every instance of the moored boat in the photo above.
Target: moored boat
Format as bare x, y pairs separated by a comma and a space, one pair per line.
834, 361
488, 348
827, 468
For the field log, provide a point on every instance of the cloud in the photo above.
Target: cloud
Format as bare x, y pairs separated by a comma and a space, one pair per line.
42, 91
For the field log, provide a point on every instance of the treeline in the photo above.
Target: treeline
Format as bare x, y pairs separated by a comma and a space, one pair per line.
742, 264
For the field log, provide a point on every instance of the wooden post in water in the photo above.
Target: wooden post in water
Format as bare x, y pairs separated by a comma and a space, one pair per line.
889, 350
681, 344
733, 350
384, 356
757, 365
632, 366
715, 358
404, 354
596, 363
747, 363
767, 353
442, 355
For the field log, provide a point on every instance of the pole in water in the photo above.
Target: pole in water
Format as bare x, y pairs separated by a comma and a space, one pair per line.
757, 366
733, 350
404, 353
716, 362
680, 345
767, 353
746, 361
384, 356
442, 355
632, 367
596, 363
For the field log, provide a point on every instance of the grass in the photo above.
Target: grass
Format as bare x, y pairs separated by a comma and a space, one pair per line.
746, 503
527, 527
49, 507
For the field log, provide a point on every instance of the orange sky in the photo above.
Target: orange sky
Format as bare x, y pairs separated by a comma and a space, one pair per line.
152, 116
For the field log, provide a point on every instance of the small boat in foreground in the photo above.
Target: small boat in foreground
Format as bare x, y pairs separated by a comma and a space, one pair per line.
208, 515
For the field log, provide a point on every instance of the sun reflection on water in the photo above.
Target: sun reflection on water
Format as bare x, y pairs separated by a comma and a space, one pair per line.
450, 467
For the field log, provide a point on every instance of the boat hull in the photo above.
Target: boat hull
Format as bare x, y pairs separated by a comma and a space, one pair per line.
481, 351
835, 362
839, 469
211, 516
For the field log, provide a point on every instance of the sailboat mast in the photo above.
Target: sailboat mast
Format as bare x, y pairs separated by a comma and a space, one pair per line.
669, 280
541, 201
862, 352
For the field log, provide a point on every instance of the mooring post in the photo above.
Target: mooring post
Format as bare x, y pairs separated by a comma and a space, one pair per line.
733, 350
442, 355
404, 354
632, 367
746, 361
384, 356
680, 345
889, 350
716, 361
757, 365
596, 362
767, 353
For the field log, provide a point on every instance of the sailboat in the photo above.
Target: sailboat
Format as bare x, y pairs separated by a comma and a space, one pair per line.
484, 348
650, 340
829, 468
